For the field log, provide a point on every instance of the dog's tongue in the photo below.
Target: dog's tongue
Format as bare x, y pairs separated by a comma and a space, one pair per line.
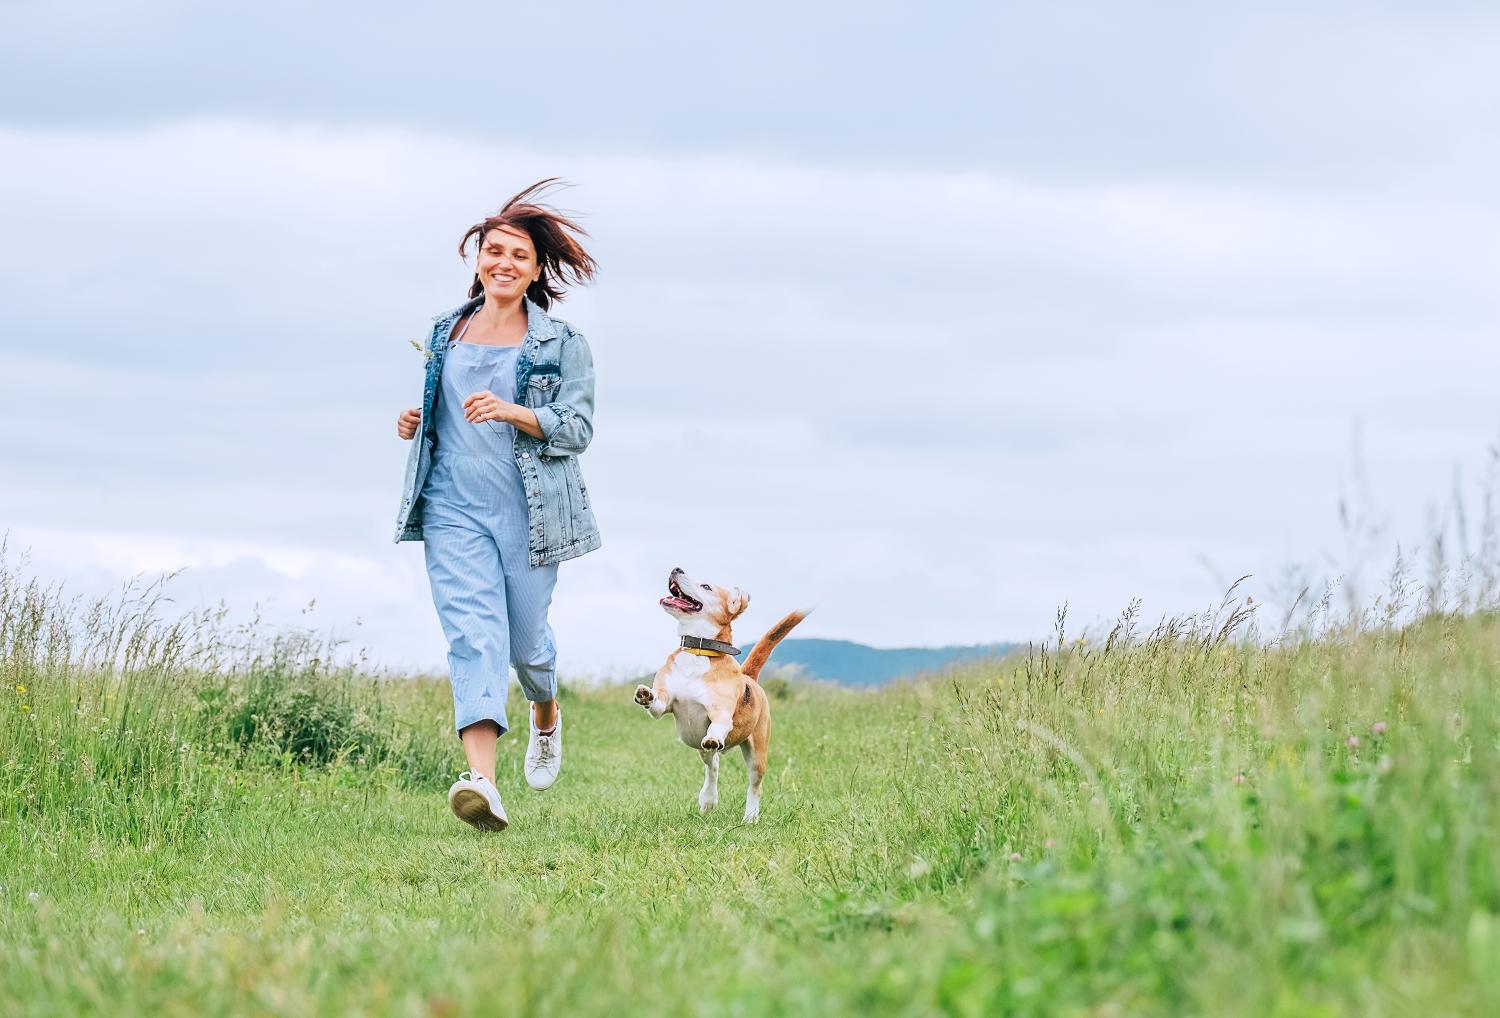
678, 602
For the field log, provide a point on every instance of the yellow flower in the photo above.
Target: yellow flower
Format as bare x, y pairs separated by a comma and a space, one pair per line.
20, 688
26, 706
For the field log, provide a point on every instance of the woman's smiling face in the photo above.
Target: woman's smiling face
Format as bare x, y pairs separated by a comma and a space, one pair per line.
506, 264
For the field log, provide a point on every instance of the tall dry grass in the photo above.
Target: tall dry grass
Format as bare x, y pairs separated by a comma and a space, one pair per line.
135, 724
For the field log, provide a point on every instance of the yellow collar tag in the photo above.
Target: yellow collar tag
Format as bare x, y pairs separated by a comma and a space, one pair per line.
703, 653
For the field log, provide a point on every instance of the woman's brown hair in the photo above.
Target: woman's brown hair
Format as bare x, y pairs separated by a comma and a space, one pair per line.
563, 260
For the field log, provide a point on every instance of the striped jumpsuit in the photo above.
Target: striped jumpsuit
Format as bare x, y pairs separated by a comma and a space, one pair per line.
492, 603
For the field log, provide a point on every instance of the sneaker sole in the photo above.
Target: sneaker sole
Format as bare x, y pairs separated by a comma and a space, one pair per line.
541, 788
474, 809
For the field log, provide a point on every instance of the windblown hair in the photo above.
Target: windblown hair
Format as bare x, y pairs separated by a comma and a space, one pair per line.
563, 260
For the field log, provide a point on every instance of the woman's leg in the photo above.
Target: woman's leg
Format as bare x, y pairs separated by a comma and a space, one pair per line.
479, 741
533, 652
534, 655
468, 589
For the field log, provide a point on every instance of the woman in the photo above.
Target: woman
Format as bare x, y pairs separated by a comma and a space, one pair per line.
493, 488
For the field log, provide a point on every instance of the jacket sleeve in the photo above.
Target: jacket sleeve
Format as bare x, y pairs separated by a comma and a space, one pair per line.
567, 422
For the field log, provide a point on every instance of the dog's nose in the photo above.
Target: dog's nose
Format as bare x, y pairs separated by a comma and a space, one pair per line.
678, 571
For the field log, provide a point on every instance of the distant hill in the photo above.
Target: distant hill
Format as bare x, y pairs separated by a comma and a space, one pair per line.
854, 664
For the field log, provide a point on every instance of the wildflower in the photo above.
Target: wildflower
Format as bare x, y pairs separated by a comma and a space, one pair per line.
1239, 779
33, 897
20, 688
1015, 857
1352, 742
1378, 728
1049, 843
25, 707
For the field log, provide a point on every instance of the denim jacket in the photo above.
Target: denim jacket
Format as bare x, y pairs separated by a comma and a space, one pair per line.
555, 378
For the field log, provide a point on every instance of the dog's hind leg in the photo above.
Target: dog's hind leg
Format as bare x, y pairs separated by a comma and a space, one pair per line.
754, 749
708, 797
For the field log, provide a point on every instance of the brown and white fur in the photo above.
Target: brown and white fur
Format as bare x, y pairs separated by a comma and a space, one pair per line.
718, 704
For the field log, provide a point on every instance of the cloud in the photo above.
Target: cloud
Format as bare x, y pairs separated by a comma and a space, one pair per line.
1078, 91
936, 401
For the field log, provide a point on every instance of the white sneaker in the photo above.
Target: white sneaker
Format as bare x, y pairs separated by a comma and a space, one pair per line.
543, 755
474, 800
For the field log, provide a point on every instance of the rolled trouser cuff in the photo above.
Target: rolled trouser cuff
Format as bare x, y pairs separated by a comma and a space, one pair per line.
468, 711
539, 684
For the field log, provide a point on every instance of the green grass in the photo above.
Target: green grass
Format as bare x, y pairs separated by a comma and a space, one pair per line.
196, 820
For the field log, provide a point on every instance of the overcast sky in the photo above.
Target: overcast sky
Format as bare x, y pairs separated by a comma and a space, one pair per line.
938, 317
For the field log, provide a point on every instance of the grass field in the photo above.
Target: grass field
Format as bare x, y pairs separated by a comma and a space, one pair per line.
197, 819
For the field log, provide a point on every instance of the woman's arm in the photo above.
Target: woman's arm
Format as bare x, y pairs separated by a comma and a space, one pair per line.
567, 423
486, 406
524, 418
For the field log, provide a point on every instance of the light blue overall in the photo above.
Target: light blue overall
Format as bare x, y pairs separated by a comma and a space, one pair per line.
491, 601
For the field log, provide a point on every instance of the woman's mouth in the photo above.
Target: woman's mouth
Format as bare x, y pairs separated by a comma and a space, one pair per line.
679, 600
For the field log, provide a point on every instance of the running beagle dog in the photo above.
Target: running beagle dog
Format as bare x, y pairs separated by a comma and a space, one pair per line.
717, 702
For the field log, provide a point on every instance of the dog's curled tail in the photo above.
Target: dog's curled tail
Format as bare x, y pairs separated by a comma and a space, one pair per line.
756, 659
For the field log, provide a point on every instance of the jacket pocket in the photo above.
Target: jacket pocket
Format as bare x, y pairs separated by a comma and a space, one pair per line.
577, 478
557, 502
540, 390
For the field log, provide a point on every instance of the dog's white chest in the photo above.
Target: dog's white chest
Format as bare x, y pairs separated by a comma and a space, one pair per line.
689, 697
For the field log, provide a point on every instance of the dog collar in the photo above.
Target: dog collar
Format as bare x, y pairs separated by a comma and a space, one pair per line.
708, 648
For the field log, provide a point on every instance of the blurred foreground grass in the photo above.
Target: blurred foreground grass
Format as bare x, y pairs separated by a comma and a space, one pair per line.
195, 819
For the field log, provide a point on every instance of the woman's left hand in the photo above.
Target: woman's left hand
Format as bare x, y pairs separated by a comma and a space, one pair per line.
486, 406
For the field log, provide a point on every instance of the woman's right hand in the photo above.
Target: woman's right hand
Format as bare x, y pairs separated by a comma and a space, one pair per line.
406, 424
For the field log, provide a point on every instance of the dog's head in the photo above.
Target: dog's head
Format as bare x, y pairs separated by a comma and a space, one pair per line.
702, 605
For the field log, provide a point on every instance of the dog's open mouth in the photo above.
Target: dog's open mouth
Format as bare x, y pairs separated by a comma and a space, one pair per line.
679, 600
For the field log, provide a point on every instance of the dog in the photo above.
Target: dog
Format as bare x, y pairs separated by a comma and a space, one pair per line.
718, 704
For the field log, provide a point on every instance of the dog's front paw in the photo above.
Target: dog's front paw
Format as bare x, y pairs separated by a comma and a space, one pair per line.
710, 744
644, 696
706, 804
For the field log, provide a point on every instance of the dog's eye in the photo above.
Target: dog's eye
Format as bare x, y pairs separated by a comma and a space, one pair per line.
705, 586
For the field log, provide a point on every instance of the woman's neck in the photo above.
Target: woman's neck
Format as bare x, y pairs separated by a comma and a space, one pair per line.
498, 318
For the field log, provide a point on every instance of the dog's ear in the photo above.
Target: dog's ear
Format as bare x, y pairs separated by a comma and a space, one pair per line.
738, 602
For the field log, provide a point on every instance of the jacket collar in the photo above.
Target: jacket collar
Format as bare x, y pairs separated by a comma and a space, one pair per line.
538, 322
